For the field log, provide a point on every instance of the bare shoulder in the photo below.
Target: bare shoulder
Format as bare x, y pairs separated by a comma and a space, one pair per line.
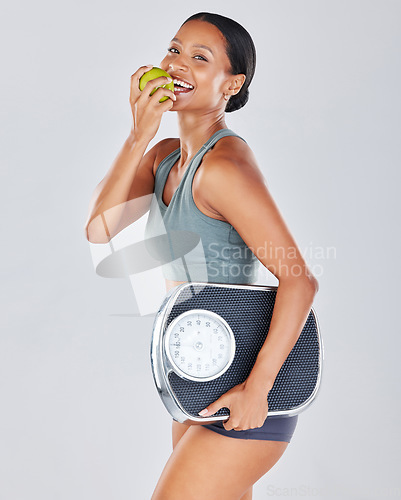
231, 159
225, 171
163, 149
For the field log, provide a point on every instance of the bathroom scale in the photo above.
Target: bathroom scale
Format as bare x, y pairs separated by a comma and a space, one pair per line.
205, 340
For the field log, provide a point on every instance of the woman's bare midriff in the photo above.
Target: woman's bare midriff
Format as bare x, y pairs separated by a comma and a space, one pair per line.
171, 284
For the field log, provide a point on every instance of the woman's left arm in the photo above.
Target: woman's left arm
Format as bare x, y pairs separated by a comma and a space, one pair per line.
293, 302
237, 190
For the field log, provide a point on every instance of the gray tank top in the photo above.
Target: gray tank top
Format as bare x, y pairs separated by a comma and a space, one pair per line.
190, 245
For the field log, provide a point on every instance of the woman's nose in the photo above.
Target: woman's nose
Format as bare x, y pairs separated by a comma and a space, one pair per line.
179, 62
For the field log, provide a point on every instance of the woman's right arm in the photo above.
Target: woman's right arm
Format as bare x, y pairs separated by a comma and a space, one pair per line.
128, 185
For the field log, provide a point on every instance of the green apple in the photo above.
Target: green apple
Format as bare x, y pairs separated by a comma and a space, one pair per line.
151, 75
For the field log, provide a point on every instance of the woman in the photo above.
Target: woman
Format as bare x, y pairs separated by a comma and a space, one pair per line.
212, 61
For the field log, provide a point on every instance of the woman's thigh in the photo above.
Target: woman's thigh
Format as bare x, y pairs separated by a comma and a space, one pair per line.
205, 464
178, 430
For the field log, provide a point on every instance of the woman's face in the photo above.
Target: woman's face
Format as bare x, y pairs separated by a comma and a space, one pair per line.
208, 71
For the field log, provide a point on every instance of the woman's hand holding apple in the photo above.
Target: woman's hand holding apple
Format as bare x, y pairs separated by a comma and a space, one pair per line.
146, 109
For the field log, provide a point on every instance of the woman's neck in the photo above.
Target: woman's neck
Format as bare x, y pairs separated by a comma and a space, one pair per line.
194, 131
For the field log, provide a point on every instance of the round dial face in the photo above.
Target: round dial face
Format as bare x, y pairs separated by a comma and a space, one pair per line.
200, 345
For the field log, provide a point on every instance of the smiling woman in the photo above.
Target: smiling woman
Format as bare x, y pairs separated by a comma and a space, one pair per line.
206, 183
236, 44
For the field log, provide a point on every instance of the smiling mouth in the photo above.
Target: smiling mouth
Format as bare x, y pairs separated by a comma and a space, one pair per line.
181, 87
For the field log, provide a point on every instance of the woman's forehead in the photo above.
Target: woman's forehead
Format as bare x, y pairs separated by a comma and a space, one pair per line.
200, 32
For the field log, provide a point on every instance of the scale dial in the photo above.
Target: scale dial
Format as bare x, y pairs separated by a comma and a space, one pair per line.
200, 345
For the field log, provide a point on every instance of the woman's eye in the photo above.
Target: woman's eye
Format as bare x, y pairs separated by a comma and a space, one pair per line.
171, 49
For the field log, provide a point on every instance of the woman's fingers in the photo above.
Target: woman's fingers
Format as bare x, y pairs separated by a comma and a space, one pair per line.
135, 91
161, 92
152, 84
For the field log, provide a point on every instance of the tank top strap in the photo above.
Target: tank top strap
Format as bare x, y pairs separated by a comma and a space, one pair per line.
167, 163
163, 171
224, 132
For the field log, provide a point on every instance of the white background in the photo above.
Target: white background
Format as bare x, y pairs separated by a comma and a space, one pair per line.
80, 417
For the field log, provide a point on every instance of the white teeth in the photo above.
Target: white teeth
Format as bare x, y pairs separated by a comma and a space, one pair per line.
183, 84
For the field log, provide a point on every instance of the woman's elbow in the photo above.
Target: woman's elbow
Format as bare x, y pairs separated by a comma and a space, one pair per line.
307, 282
311, 283
314, 284
95, 235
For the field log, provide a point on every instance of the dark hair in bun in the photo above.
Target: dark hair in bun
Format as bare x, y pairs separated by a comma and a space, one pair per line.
240, 51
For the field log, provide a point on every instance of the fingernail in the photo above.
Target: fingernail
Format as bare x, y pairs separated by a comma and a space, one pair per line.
203, 412
149, 65
169, 80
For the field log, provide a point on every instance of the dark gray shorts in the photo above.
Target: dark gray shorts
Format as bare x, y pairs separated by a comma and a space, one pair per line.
275, 428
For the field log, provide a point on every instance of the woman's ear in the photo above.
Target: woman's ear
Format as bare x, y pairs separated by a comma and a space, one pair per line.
235, 84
